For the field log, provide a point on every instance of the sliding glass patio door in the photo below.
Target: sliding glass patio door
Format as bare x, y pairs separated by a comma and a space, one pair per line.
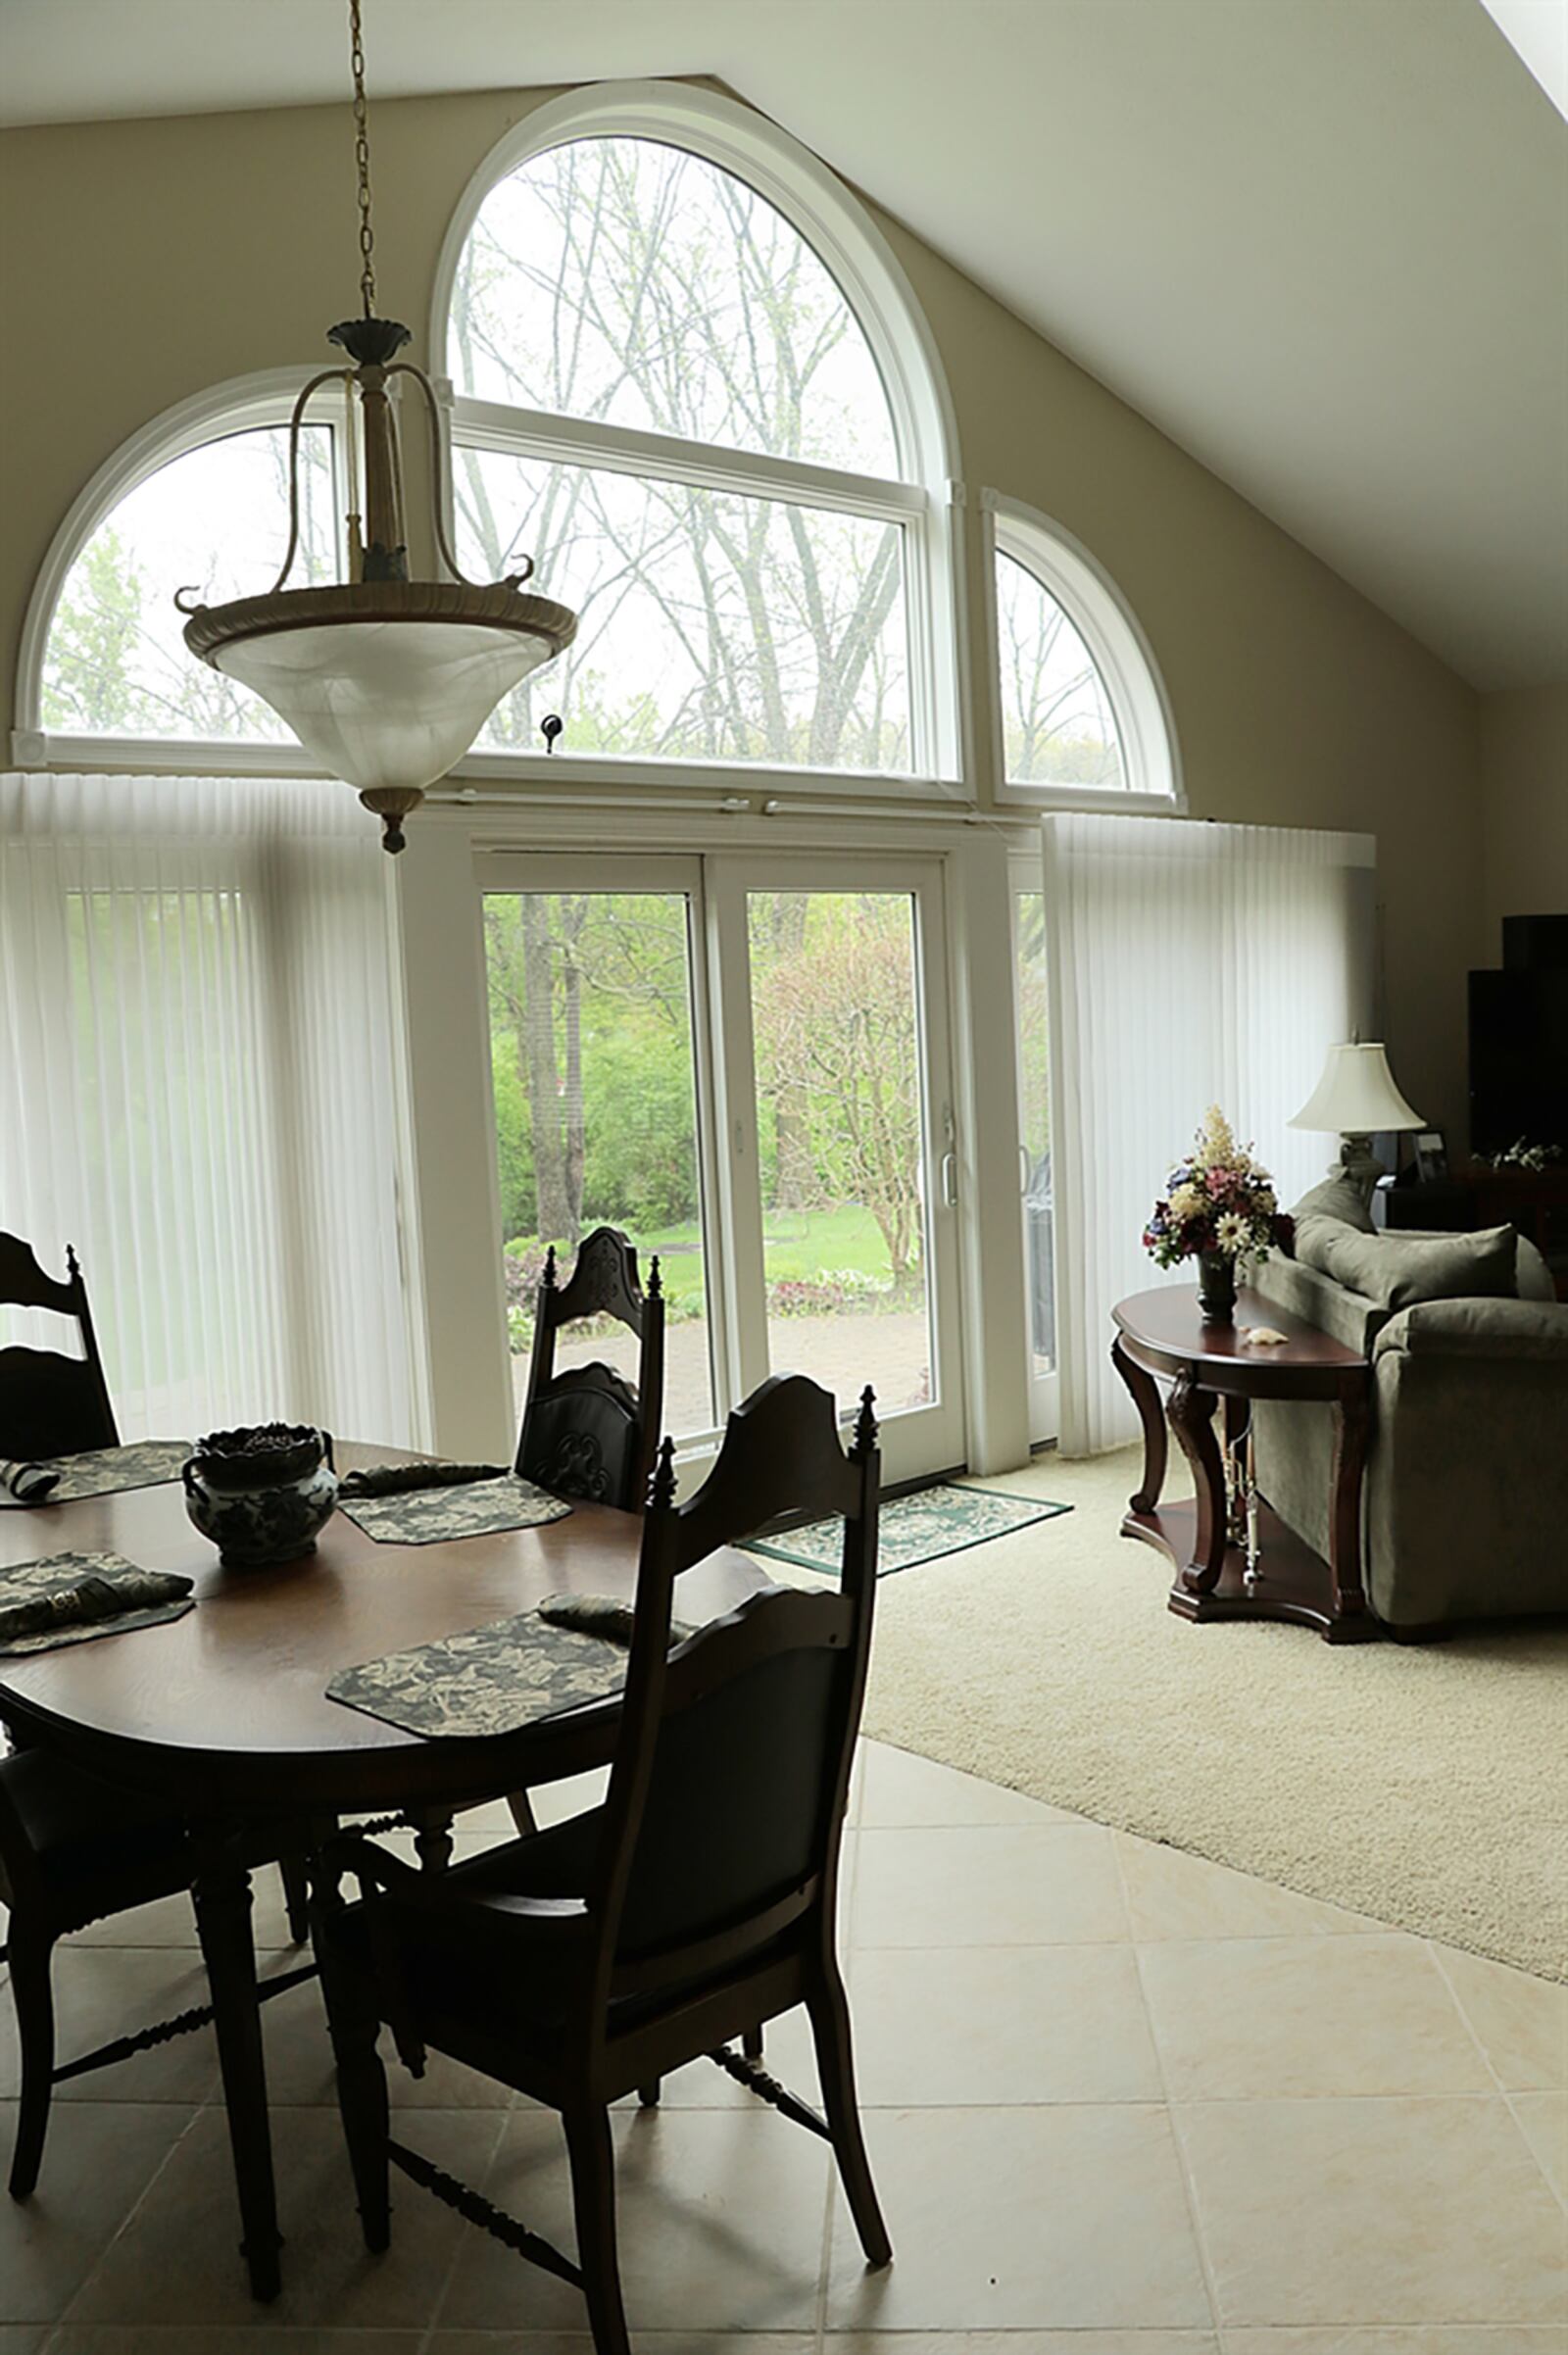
744, 1064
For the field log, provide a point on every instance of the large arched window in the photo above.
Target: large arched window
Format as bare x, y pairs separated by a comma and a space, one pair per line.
1082, 714
687, 378
688, 381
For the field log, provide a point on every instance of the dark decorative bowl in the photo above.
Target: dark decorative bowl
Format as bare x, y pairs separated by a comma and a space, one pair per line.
263, 1492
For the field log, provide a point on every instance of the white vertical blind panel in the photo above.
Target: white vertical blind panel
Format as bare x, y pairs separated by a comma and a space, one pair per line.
1189, 965
197, 1089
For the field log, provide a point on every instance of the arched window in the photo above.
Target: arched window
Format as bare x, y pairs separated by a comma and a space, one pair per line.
688, 379
198, 499
1082, 713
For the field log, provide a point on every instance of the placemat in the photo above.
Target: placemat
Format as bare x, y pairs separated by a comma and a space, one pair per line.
488, 1680
166, 1595
430, 1517
946, 1518
104, 1471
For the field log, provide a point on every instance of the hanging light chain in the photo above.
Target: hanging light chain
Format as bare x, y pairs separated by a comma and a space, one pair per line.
362, 159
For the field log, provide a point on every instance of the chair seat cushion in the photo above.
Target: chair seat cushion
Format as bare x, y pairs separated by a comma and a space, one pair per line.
91, 1838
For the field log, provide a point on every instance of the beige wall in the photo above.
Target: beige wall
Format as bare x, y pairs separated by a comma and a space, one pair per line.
147, 259
1524, 809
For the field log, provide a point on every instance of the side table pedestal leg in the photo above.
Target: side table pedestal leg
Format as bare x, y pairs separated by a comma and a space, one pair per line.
1352, 1418
1190, 1411
1143, 1391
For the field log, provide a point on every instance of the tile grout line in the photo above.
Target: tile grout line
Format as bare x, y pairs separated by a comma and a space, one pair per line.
1173, 2125
1561, 2196
198, 2111
1434, 1948
503, 2121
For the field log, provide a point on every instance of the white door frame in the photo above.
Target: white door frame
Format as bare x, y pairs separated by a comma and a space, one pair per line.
457, 1310
915, 1440
1043, 1389
918, 1440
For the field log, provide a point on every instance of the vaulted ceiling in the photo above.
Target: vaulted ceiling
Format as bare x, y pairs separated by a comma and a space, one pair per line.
1323, 244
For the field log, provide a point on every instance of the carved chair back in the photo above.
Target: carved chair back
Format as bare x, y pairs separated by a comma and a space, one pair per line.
588, 1432
50, 1404
727, 1796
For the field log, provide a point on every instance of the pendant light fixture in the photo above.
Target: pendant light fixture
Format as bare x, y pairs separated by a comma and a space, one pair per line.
386, 681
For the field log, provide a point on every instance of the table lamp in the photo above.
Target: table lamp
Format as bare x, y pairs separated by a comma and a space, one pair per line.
1356, 1097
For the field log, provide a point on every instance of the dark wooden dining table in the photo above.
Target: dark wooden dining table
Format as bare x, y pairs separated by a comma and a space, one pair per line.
223, 1715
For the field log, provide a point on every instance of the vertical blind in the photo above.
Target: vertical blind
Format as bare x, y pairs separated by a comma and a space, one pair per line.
198, 1089
1189, 965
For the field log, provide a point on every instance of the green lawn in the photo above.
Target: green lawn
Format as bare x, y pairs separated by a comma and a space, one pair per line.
798, 1243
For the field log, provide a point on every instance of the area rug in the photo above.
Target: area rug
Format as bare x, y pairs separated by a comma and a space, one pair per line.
920, 1528
1422, 1784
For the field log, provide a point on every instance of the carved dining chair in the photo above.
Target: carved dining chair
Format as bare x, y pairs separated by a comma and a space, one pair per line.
697, 1903
587, 1431
50, 1404
75, 1850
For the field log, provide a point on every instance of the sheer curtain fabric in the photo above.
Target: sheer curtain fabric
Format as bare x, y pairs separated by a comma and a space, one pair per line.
1189, 965
198, 1088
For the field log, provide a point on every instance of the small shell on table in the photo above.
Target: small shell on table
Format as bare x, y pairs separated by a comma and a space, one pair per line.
1264, 1336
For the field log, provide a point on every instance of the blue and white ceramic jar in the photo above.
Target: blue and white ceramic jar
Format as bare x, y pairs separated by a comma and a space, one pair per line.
262, 1493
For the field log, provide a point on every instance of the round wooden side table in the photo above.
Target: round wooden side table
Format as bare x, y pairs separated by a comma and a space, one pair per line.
1161, 1334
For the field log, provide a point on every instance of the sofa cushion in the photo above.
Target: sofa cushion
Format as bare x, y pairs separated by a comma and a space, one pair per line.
1400, 1270
1338, 1198
1479, 1328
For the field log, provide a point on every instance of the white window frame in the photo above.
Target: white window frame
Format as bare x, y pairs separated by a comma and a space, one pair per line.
716, 883
1043, 1389
1146, 724
239, 405
926, 502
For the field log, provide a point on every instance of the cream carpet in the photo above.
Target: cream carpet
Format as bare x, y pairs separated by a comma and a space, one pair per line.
1426, 1785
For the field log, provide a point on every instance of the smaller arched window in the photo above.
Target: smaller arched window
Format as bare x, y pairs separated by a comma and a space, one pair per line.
1081, 709
197, 500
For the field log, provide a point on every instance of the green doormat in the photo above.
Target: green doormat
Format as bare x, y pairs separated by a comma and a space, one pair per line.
914, 1528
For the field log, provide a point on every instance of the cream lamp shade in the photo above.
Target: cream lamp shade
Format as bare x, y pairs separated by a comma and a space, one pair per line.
1356, 1095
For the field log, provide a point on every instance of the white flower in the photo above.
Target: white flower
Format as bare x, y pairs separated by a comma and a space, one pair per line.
1188, 1202
1234, 1232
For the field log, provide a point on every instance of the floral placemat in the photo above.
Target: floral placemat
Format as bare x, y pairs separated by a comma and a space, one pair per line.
934, 1521
489, 1680
104, 1471
76, 1598
430, 1515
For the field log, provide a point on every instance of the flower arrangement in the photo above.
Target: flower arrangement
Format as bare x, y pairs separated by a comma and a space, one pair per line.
1217, 1202
1521, 1155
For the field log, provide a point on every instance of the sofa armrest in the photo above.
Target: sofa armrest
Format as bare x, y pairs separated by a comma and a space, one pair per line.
1478, 1328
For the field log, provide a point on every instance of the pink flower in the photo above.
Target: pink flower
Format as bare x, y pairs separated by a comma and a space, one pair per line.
1218, 1182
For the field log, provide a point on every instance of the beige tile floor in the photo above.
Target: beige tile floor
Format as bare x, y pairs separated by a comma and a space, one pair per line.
1119, 2101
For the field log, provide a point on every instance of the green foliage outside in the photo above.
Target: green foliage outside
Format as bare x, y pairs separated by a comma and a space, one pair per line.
212, 522
595, 1092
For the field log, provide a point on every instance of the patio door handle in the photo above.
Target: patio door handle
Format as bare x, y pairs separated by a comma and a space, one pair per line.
950, 1180
1023, 1169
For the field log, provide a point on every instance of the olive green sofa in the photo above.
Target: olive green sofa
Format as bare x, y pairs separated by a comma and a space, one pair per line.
1465, 1504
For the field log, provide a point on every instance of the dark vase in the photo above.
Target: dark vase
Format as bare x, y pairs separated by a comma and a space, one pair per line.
262, 1493
1216, 1288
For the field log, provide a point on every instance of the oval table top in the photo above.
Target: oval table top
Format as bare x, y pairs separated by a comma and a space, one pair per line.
228, 1706
1165, 1325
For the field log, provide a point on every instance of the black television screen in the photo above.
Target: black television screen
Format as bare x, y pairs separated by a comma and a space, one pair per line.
1518, 1058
